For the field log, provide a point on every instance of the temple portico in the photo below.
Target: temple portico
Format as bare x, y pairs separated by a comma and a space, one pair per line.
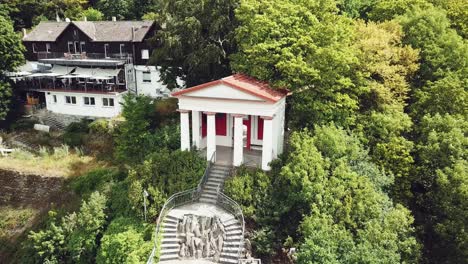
237, 113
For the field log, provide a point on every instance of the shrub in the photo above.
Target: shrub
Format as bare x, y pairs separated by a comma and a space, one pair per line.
125, 241
94, 180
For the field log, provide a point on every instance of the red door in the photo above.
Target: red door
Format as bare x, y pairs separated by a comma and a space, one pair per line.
246, 123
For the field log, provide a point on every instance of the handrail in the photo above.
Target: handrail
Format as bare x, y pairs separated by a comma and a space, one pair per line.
234, 208
193, 194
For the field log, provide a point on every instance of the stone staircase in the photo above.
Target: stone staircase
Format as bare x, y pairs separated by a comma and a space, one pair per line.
216, 178
170, 243
170, 246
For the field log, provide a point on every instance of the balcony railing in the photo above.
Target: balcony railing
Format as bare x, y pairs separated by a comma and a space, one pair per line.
124, 57
58, 85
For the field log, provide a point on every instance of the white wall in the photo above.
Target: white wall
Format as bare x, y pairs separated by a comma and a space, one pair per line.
153, 88
80, 109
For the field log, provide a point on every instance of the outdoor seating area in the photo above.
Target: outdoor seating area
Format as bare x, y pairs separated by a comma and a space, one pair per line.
73, 79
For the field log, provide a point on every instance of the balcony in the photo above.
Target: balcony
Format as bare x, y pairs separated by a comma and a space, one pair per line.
84, 59
70, 85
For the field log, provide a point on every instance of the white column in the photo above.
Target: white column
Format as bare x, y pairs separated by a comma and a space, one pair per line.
210, 135
196, 118
267, 148
238, 141
184, 130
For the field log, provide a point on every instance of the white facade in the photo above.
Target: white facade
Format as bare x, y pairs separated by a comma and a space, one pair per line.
148, 81
106, 105
238, 106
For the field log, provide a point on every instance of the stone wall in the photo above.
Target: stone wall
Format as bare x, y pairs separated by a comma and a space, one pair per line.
25, 189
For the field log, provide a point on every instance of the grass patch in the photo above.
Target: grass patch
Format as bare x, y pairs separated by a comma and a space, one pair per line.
14, 220
57, 162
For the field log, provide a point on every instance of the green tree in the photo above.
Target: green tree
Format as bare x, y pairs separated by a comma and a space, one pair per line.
125, 241
73, 238
11, 54
92, 14
349, 218
387, 10
133, 136
114, 8
440, 187
308, 51
457, 11
64, 8
442, 50
162, 174
196, 42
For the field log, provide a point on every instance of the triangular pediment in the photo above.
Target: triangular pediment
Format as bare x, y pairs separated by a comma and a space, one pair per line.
223, 91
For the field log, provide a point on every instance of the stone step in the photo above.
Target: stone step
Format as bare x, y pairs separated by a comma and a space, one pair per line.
170, 246
209, 196
233, 227
170, 217
168, 257
227, 261
233, 256
169, 251
219, 174
230, 222
233, 238
168, 241
210, 191
234, 232
206, 200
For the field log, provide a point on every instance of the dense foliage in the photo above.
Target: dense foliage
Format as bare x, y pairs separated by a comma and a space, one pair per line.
380, 86
11, 54
196, 41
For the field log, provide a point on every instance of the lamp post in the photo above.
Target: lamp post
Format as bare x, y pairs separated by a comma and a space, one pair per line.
145, 194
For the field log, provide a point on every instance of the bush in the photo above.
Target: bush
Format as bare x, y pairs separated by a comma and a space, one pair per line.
23, 124
125, 241
162, 174
75, 133
94, 180
73, 239
250, 188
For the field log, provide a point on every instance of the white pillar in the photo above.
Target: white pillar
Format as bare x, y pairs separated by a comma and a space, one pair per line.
184, 130
196, 117
210, 135
238, 141
267, 148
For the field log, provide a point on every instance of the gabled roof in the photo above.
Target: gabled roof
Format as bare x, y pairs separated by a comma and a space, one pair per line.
100, 31
243, 83
46, 31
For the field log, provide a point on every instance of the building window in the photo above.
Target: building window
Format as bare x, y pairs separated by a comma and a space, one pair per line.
108, 102
71, 46
54, 98
34, 47
89, 101
70, 99
106, 50
122, 49
47, 47
144, 54
147, 76
82, 46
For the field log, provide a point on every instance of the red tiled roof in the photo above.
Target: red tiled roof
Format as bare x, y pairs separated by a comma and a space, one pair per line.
243, 83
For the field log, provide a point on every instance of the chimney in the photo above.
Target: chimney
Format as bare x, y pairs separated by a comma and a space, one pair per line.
85, 18
133, 33
114, 18
57, 18
24, 32
67, 19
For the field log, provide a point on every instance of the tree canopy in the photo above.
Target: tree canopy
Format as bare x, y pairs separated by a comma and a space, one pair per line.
11, 54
